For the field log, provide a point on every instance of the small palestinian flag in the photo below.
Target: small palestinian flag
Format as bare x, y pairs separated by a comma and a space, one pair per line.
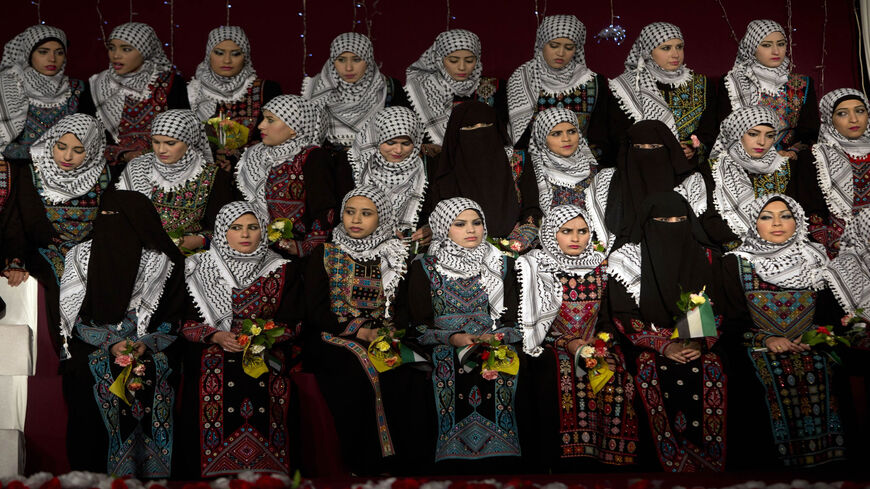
698, 321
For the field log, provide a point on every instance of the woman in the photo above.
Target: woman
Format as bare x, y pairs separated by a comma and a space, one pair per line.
237, 421
34, 91
746, 166
658, 85
138, 85
122, 296
447, 74
181, 179
841, 160
848, 274
478, 163
557, 76
461, 293
350, 89
561, 289
762, 76
386, 154
681, 381
288, 177
777, 283
226, 86
351, 285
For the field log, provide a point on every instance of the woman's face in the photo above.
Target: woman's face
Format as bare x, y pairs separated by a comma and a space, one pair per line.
467, 229
244, 234
396, 149
573, 236
124, 57
563, 139
758, 140
68, 152
460, 64
775, 222
559, 52
226, 58
48, 58
850, 118
669, 54
168, 150
350, 67
273, 131
360, 217
771, 50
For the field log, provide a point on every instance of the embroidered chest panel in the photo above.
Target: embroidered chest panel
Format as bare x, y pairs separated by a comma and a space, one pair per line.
355, 288
285, 191
74, 220
860, 182
581, 302
787, 313
5, 183
573, 195
261, 299
40, 119
247, 110
182, 209
486, 90
788, 104
687, 103
770, 183
458, 303
137, 116
581, 101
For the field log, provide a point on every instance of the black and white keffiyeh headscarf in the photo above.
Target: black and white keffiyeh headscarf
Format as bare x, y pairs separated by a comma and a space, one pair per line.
848, 275
431, 89
382, 244
732, 165
404, 182
21, 85
208, 88
346, 106
636, 87
552, 169
541, 290
146, 172
212, 276
832, 153
748, 79
535, 76
58, 185
256, 162
109, 89
455, 261
797, 263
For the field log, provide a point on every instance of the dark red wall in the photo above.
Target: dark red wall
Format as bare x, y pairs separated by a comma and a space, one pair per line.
403, 29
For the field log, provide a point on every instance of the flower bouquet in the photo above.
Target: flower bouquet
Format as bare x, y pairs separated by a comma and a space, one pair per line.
507, 247
130, 379
825, 337
226, 133
281, 228
387, 351
494, 357
177, 237
699, 320
591, 359
257, 336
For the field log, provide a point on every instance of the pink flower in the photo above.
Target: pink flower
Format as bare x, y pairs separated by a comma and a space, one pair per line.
516, 246
139, 369
499, 336
489, 374
123, 360
135, 385
695, 142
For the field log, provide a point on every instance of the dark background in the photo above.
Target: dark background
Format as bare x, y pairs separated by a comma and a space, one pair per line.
402, 29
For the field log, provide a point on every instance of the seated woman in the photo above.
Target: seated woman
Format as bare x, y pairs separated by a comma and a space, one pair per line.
35, 92
463, 292
227, 86
681, 381
561, 289
57, 202
350, 90
776, 283
287, 176
121, 301
138, 85
234, 420
181, 179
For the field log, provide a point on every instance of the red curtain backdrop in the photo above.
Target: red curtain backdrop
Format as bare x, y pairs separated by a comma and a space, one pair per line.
402, 29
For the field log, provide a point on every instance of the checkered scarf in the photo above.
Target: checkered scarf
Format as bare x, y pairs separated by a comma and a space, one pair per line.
208, 88
58, 185
748, 78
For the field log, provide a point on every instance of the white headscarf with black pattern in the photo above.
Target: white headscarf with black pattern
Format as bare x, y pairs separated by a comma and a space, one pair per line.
832, 155
431, 89
540, 288
208, 88
458, 262
535, 76
346, 106
404, 182
848, 275
748, 79
109, 89
21, 85
795, 264
257, 160
382, 244
59, 185
732, 165
552, 169
147, 171
636, 88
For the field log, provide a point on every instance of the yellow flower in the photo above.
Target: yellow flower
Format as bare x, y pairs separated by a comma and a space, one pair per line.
383, 346
505, 242
604, 336
501, 353
255, 330
697, 299
274, 235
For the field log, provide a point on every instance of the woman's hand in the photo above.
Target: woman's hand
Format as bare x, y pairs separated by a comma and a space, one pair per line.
423, 235
430, 149
575, 345
289, 246
227, 341
778, 344
192, 242
688, 150
683, 353
462, 339
16, 276
792, 155
367, 334
118, 348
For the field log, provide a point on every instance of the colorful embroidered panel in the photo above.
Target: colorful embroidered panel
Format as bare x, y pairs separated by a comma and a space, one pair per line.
788, 105
40, 119
459, 304
687, 103
182, 209
134, 129
581, 101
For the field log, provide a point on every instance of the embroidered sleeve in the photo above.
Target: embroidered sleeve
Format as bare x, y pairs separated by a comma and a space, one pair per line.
100, 336
511, 335
196, 331
314, 237
524, 233
161, 338
644, 336
290, 332
432, 336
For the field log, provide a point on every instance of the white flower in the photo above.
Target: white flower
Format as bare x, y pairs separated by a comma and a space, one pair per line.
279, 225
587, 351
257, 349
